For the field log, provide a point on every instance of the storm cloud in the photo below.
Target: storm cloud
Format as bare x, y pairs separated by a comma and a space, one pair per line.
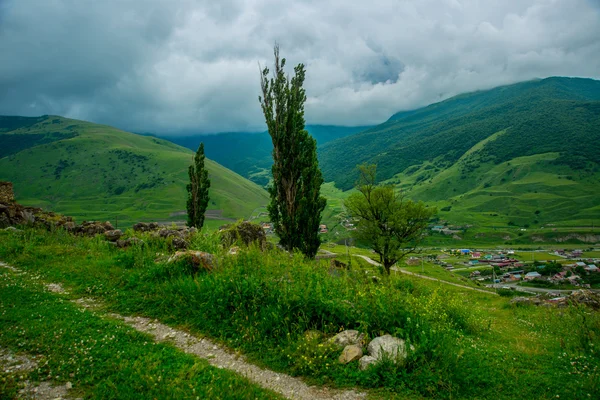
193, 66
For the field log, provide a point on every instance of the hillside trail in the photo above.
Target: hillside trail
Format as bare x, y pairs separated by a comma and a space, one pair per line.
373, 262
216, 355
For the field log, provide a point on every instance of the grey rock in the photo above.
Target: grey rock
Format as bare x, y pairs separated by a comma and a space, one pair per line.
349, 337
387, 346
365, 362
113, 235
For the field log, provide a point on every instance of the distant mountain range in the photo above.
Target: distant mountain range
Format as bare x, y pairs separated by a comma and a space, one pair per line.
93, 171
249, 153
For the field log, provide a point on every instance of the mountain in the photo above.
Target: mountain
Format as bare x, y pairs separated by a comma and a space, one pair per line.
93, 171
525, 153
249, 153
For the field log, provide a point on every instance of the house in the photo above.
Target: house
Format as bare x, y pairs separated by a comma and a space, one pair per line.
591, 268
532, 275
476, 254
465, 251
473, 262
580, 264
488, 257
437, 228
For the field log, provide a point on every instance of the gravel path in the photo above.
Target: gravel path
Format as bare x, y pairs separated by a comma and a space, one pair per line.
218, 356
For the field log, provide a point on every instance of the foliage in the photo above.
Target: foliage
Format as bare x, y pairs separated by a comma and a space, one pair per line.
197, 190
296, 204
257, 304
391, 224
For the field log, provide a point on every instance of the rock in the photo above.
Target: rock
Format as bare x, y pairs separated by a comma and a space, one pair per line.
128, 242
179, 243
245, 233
585, 297
199, 259
69, 386
365, 361
233, 251
165, 233
387, 346
349, 337
350, 353
108, 226
113, 235
12, 229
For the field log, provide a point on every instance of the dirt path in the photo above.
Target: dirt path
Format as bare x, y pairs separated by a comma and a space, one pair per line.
373, 262
218, 356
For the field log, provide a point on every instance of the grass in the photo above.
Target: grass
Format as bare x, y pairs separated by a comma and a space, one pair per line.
100, 173
102, 358
263, 303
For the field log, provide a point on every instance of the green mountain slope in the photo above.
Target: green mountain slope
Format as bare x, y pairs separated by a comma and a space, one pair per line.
249, 153
94, 171
550, 115
524, 155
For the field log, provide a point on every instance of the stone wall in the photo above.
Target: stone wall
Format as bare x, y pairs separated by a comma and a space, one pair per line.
6, 192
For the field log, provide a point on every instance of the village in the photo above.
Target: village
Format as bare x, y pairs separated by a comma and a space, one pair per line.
560, 269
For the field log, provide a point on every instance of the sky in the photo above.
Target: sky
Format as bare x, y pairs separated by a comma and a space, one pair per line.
192, 66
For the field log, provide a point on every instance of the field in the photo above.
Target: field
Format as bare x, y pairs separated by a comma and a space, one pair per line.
262, 304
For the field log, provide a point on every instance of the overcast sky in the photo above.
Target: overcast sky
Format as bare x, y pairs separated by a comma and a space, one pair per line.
171, 66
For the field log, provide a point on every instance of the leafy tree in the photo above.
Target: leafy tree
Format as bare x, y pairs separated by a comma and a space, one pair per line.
391, 224
296, 204
197, 190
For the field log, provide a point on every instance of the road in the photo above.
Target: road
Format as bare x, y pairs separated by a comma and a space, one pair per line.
396, 269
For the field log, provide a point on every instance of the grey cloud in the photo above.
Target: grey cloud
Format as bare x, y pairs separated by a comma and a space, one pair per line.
192, 66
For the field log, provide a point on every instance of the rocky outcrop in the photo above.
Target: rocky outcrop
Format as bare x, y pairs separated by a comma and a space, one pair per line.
114, 235
199, 259
146, 227
243, 233
7, 195
348, 337
93, 228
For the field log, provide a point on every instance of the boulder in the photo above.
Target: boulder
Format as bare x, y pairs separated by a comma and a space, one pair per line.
233, 251
350, 353
585, 297
113, 235
244, 233
128, 242
179, 243
365, 361
387, 346
199, 259
347, 338
145, 227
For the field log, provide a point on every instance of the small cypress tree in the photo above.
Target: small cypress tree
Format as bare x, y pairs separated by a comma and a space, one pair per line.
197, 189
296, 204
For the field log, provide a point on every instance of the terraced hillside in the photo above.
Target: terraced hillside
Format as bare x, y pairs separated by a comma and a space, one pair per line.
93, 171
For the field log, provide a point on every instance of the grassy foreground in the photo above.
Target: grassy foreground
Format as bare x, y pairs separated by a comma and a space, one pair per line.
103, 359
466, 344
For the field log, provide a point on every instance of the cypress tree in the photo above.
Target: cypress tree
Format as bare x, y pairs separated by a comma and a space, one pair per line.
197, 189
296, 204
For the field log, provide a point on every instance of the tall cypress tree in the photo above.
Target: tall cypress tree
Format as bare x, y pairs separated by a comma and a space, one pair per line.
296, 204
197, 189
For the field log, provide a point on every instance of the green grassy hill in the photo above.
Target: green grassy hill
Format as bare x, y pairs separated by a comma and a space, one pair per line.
523, 155
249, 153
93, 171
550, 115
